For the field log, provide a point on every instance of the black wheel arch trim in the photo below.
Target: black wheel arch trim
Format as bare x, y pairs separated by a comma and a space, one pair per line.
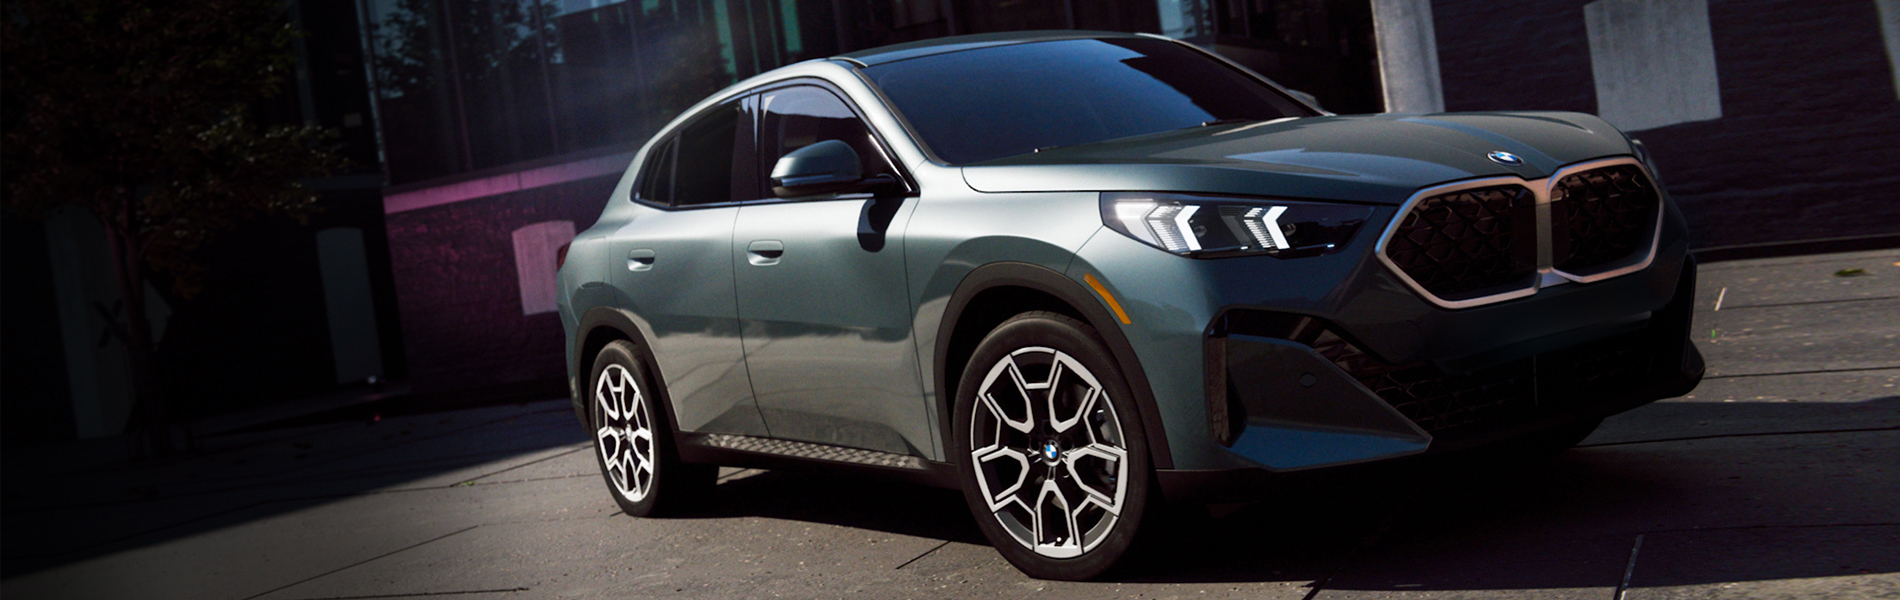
621, 321
1053, 283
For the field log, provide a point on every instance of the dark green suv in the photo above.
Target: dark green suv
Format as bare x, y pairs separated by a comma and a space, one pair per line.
1074, 274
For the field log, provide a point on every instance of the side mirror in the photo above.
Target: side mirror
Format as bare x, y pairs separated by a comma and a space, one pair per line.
1305, 97
822, 168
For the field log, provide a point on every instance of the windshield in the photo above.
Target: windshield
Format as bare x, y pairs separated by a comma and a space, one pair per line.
977, 105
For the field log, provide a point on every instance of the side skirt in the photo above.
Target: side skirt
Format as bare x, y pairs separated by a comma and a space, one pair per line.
768, 453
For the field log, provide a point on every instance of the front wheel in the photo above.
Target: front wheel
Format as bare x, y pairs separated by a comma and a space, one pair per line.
1052, 457
632, 441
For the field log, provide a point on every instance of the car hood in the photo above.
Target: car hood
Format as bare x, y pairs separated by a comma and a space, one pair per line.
1371, 158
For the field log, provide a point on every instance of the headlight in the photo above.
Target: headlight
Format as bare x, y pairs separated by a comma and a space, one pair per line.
1212, 227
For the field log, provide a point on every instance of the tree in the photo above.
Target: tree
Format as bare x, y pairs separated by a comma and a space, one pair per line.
137, 111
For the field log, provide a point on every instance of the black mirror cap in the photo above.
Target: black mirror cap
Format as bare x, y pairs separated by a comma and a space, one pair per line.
826, 167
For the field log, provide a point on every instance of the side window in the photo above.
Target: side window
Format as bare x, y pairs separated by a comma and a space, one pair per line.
656, 178
800, 116
703, 163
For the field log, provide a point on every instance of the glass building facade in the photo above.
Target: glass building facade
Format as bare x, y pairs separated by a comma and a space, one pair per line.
471, 86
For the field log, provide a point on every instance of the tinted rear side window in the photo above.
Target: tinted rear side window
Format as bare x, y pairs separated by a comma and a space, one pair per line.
976, 105
656, 179
703, 171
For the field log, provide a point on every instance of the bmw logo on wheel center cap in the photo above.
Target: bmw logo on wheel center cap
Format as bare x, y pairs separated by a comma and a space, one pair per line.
1050, 452
1505, 158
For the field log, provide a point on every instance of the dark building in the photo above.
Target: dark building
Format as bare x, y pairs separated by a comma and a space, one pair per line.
500, 126
506, 124
1772, 120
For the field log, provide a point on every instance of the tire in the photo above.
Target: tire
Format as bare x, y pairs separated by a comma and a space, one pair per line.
633, 443
1058, 480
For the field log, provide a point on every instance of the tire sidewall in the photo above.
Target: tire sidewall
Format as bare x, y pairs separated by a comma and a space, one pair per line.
1079, 341
622, 354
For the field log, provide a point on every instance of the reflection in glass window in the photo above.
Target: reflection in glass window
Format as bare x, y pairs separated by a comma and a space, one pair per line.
988, 103
797, 117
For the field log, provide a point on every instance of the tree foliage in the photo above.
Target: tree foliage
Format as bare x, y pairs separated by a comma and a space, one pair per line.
138, 112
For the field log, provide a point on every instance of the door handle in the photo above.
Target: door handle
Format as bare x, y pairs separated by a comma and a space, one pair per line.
640, 260
764, 253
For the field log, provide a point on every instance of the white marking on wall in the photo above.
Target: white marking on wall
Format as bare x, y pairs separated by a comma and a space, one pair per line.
1654, 62
1890, 29
354, 342
1408, 56
98, 367
535, 249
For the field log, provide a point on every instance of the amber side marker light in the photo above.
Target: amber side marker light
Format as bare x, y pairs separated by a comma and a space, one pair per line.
1112, 304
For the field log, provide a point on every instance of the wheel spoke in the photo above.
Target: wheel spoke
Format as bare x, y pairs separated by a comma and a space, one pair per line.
641, 444
1014, 396
1052, 513
1091, 482
610, 442
1060, 389
608, 395
1000, 498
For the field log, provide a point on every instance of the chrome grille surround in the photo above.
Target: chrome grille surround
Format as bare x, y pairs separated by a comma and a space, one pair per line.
1548, 274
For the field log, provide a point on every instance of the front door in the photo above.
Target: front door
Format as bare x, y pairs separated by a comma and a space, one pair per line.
822, 296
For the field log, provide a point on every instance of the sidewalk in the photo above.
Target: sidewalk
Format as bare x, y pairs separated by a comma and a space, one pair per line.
1778, 477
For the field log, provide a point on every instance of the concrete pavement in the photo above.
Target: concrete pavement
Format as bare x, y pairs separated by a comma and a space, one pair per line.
1777, 478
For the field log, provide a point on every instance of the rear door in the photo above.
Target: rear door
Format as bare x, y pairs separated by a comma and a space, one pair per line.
822, 292
673, 261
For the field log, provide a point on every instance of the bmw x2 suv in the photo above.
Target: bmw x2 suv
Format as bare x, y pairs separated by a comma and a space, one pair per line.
1075, 274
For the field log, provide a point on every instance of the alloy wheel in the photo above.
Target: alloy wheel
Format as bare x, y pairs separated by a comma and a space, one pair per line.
624, 432
1050, 457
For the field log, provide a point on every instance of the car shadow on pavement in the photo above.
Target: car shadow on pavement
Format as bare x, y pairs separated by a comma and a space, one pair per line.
57, 514
1717, 492
1727, 504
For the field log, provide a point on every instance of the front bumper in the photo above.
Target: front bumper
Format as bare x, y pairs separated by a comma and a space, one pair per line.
1289, 393
1292, 399
1242, 381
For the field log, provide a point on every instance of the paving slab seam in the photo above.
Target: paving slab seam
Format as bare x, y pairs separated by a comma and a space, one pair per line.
363, 562
1808, 303
528, 480
932, 550
1813, 372
425, 438
1629, 572
1741, 435
277, 481
1760, 527
134, 536
305, 498
183, 459
472, 481
422, 594
329, 460
601, 517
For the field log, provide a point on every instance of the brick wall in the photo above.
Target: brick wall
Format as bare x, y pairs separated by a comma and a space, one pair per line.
1808, 145
456, 283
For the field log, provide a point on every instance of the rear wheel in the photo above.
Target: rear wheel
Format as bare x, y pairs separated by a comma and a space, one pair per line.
1052, 457
632, 441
